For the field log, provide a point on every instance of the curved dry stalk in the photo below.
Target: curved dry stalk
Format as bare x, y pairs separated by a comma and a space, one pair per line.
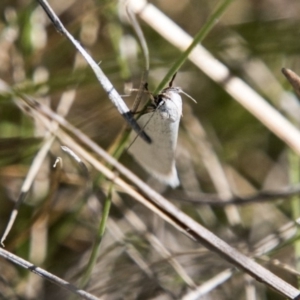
144, 47
218, 72
63, 108
34, 169
162, 207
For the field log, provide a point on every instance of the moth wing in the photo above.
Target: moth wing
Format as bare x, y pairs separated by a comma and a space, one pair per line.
158, 158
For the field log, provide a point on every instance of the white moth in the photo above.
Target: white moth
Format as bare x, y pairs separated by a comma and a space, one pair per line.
158, 158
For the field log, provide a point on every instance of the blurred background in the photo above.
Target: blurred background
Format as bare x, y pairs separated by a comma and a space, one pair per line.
222, 150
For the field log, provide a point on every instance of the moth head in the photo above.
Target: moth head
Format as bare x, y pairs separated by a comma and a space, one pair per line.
175, 89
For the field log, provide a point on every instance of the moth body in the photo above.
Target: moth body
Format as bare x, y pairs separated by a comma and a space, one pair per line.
162, 124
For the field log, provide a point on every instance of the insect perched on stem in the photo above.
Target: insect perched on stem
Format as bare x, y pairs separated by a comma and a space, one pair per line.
161, 123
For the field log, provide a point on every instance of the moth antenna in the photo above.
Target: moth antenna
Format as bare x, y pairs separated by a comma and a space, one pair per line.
182, 92
173, 78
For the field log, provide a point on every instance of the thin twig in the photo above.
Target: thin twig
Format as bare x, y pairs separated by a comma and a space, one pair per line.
104, 81
48, 276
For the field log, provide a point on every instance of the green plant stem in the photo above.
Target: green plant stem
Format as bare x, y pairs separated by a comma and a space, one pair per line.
199, 37
96, 247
